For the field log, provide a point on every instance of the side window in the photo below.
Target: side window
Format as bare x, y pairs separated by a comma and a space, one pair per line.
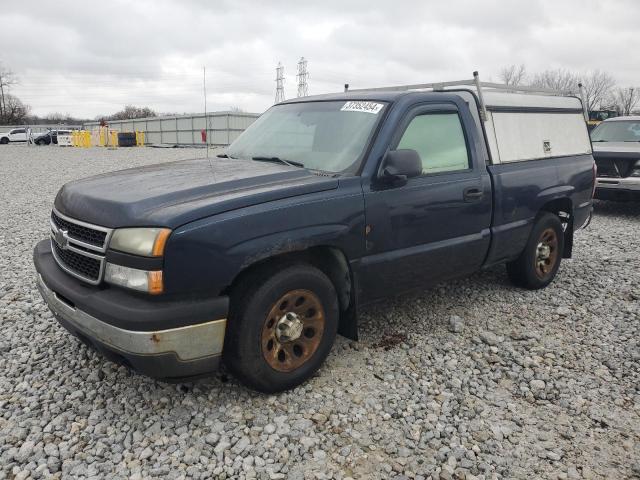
439, 140
18, 131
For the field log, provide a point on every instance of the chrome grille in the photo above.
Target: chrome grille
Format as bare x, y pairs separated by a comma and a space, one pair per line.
83, 266
80, 232
79, 247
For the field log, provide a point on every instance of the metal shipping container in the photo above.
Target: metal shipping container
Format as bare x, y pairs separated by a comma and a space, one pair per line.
222, 128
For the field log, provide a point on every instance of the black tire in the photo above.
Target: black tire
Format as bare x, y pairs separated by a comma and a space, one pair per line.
252, 314
4, 141
531, 269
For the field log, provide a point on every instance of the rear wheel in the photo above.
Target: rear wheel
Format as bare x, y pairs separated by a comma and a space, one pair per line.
538, 264
281, 328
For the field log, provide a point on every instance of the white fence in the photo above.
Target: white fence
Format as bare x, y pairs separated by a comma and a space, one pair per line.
222, 128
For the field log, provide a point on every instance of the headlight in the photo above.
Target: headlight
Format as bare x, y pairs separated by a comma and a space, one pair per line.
636, 170
142, 280
148, 242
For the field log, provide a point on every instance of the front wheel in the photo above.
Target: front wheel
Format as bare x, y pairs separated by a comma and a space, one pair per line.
538, 264
281, 328
4, 141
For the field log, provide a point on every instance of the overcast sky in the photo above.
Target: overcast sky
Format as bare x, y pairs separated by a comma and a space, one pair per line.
90, 58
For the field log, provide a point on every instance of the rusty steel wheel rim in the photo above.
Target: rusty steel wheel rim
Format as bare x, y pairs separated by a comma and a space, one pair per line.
292, 330
546, 253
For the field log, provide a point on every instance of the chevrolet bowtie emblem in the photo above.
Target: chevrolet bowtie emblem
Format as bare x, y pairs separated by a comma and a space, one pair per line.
61, 238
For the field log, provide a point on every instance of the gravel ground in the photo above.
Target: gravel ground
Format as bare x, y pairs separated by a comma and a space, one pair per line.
473, 379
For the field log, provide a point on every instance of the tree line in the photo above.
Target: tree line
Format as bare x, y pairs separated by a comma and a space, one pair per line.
600, 89
14, 112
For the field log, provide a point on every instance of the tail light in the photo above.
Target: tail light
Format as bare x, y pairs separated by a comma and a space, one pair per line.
595, 179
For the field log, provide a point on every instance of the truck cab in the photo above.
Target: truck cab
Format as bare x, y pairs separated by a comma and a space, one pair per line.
260, 256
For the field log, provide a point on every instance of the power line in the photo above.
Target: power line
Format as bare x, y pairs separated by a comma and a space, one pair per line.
279, 83
303, 77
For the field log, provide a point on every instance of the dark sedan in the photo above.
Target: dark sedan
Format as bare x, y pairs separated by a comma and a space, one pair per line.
47, 138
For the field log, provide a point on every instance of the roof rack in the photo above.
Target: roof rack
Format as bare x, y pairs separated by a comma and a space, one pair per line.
479, 86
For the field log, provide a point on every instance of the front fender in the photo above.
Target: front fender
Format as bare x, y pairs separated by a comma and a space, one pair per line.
208, 254
255, 250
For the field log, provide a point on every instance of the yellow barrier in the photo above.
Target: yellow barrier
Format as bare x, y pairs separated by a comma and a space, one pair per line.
81, 138
101, 138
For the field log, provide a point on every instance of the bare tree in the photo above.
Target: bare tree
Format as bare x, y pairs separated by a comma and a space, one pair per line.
514, 74
56, 117
129, 112
597, 88
626, 99
7, 78
559, 79
15, 112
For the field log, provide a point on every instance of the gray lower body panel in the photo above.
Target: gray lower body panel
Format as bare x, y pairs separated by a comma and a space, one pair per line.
166, 354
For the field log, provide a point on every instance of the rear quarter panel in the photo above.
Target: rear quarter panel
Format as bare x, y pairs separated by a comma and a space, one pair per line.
521, 190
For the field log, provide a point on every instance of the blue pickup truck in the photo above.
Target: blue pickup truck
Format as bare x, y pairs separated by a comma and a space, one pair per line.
259, 256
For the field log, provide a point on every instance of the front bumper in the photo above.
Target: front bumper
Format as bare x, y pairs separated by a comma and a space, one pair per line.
618, 188
171, 351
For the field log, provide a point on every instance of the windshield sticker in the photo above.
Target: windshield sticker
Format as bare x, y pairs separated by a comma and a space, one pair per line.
359, 106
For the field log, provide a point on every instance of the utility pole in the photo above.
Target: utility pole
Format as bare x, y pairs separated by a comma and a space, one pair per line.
206, 118
279, 83
303, 76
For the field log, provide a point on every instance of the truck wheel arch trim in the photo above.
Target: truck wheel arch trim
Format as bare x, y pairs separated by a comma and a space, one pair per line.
333, 262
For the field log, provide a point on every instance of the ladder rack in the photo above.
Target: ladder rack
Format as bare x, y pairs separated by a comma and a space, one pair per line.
479, 86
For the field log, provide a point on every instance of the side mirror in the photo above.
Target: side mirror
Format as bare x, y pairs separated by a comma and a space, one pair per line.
400, 165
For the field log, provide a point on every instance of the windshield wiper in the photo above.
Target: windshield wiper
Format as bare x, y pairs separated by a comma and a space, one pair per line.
224, 155
291, 163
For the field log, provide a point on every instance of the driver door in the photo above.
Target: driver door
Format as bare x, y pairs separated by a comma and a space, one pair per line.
435, 226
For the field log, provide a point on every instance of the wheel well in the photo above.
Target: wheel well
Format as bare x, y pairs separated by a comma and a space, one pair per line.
563, 208
331, 261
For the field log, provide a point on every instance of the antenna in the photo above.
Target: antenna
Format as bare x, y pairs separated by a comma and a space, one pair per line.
206, 119
279, 83
303, 76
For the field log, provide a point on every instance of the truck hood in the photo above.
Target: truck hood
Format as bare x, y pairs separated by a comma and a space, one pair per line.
172, 194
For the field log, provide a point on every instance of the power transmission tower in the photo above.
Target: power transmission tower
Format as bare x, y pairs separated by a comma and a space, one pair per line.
279, 83
303, 76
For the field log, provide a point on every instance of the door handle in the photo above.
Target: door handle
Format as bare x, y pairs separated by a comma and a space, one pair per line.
472, 194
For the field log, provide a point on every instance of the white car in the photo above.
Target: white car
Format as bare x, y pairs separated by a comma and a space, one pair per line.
15, 135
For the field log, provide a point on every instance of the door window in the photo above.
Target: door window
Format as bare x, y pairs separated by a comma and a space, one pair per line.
14, 132
439, 140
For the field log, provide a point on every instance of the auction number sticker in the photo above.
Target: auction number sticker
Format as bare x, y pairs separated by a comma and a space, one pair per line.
359, 106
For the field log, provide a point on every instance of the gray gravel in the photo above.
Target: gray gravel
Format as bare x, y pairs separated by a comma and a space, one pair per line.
472, 379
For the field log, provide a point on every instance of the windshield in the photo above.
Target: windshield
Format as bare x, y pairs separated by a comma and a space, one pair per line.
328, 136
619, 131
